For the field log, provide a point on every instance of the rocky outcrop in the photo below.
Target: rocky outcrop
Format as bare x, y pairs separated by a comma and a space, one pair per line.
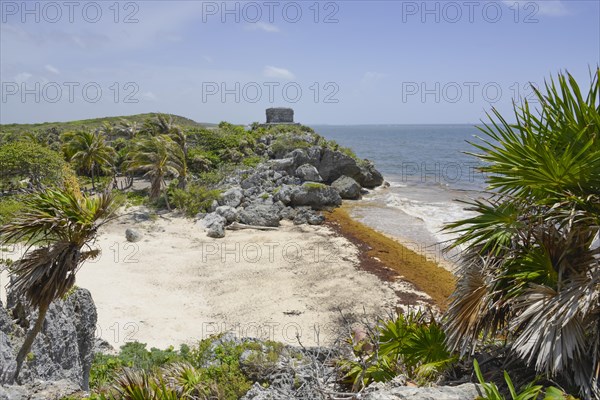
335, 164
63, 350
293, 185
310, 373
7, 354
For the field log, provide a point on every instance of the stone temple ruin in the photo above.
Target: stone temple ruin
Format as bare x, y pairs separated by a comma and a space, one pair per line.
280, 116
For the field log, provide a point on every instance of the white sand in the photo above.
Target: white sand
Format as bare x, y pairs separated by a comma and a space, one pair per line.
177, 285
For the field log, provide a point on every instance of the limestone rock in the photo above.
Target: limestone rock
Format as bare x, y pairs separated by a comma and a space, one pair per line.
228, 212
347, 187
132, 235
308, 172
41, 390
306, 215
232, 197
369, 177
212, 219
466, 391
260, 215
335, 164
64, 349
316, 195
216, 231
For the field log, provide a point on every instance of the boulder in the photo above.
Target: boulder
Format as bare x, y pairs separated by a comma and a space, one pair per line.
229, 213
132, 235
283, 194
282, 164
212, 219
316, 219
216, 231
347, 187
335, 164
369, 177
260, 215
232, 197
316, 195
307, 172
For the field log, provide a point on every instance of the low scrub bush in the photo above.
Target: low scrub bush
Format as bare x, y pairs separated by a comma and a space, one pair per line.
531, 391
193, 199
206, 371
412, 345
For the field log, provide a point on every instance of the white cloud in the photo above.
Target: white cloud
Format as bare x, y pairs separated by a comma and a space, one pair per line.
52, 69
552, 8
277, 73
22, 77
262, 26
149, 96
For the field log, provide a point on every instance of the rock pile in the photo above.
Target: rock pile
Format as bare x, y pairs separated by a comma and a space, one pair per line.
294, 186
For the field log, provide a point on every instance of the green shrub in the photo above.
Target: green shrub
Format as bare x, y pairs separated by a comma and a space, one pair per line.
252, 161
9, 206
205, 371
193, 199
286, 143
200, 160
32, 162
411, 344
529, 392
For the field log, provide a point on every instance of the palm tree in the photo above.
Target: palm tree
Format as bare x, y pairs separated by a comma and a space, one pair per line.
129, 128
164, 125
157, 157
59, 223
531, 271
89, 151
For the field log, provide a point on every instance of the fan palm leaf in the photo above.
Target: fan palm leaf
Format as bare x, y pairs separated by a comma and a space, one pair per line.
531, 272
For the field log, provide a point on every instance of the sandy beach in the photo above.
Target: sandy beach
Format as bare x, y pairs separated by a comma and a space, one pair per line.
176, 285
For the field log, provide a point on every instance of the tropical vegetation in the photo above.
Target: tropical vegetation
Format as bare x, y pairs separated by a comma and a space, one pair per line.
530, 275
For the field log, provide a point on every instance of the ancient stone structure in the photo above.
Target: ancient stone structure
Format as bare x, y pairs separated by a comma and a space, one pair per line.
280, 115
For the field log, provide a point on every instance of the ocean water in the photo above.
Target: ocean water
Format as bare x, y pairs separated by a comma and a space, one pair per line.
429, 173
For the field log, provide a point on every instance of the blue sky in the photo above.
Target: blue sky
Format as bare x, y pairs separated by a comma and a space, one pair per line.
334, 62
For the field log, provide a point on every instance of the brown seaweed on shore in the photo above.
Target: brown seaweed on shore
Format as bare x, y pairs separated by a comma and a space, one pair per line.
390, 260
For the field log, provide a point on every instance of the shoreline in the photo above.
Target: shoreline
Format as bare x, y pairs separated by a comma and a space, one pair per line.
173, 288
390, 260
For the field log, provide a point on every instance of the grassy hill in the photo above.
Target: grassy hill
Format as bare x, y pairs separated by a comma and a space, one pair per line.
86, 124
